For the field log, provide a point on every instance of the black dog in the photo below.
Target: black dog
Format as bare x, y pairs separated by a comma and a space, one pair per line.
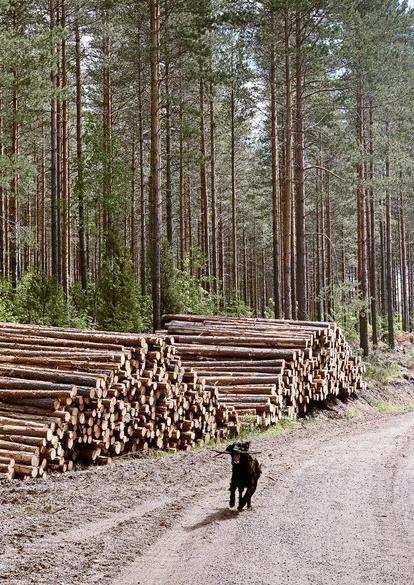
246, 471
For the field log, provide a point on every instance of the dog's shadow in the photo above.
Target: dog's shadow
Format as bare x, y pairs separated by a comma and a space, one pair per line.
217, 516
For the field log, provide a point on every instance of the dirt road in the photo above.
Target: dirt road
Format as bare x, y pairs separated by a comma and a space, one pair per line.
335, 505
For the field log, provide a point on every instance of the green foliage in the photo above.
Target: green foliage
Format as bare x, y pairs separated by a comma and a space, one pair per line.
353, 413
182, 292
380, 369
235, 307
347, 309
386, 408
115, 303
285, 425
6, 300
40, 300
81, 306
106, 176
119, 302
382, 375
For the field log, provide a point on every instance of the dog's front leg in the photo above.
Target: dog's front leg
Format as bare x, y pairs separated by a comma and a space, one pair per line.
232, 489
241, 499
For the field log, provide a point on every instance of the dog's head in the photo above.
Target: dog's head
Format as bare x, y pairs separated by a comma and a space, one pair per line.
237, 449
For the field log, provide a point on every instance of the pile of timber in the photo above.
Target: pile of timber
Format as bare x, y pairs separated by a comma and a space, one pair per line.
68, 395
264, 366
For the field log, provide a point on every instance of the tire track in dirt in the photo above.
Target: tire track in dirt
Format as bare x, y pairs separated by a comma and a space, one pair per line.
336, 517
56, 553
338, 509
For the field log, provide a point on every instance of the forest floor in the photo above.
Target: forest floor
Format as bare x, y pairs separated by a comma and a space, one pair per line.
335, 504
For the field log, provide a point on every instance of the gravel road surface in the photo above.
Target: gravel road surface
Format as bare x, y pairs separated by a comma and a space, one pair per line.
335, 505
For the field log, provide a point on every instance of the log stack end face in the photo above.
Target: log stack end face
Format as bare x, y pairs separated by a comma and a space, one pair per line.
68, 395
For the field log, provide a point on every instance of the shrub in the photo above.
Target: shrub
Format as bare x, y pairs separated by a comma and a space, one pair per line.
40, 300
119, 302
6, 300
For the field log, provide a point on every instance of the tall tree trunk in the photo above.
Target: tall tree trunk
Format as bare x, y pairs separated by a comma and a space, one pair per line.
322, 244
133, 210
65, 165
293, 258
155, 160
329, 259
234, 259
205, 247
373, 252
13, 197
384, 300
190, 225
181, 191
389, 267
54, 167
404, 265
263, 280
299, 178
83, 264
275, 174
362, 239
245, 269
214, 265
42, 208
110, 228
317, 250
3, 218
287, 190
411, 281
168, 186
221, 269
255, 303
143, 205
13, 206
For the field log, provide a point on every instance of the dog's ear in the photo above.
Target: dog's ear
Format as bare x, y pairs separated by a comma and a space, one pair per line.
230, 448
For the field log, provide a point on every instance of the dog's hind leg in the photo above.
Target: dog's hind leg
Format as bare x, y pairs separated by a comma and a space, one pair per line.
241, 499
247, 499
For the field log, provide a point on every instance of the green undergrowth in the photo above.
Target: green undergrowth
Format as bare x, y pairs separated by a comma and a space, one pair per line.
354, 413
388, 408
250, 430
383, 368
382, 374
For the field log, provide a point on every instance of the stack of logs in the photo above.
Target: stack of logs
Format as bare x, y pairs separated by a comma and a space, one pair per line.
68, 395
266, 367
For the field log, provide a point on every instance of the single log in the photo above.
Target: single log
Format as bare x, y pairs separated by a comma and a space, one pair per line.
235, 380
17, 446
26, 430
244, 341
15, 394
215, 350
22, 470
26, 457
53, 376
7, 470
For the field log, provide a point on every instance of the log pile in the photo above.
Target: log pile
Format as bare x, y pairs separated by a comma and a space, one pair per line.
265, 366
68, 395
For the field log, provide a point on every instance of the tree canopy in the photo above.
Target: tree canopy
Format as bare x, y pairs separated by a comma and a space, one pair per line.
209, 156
